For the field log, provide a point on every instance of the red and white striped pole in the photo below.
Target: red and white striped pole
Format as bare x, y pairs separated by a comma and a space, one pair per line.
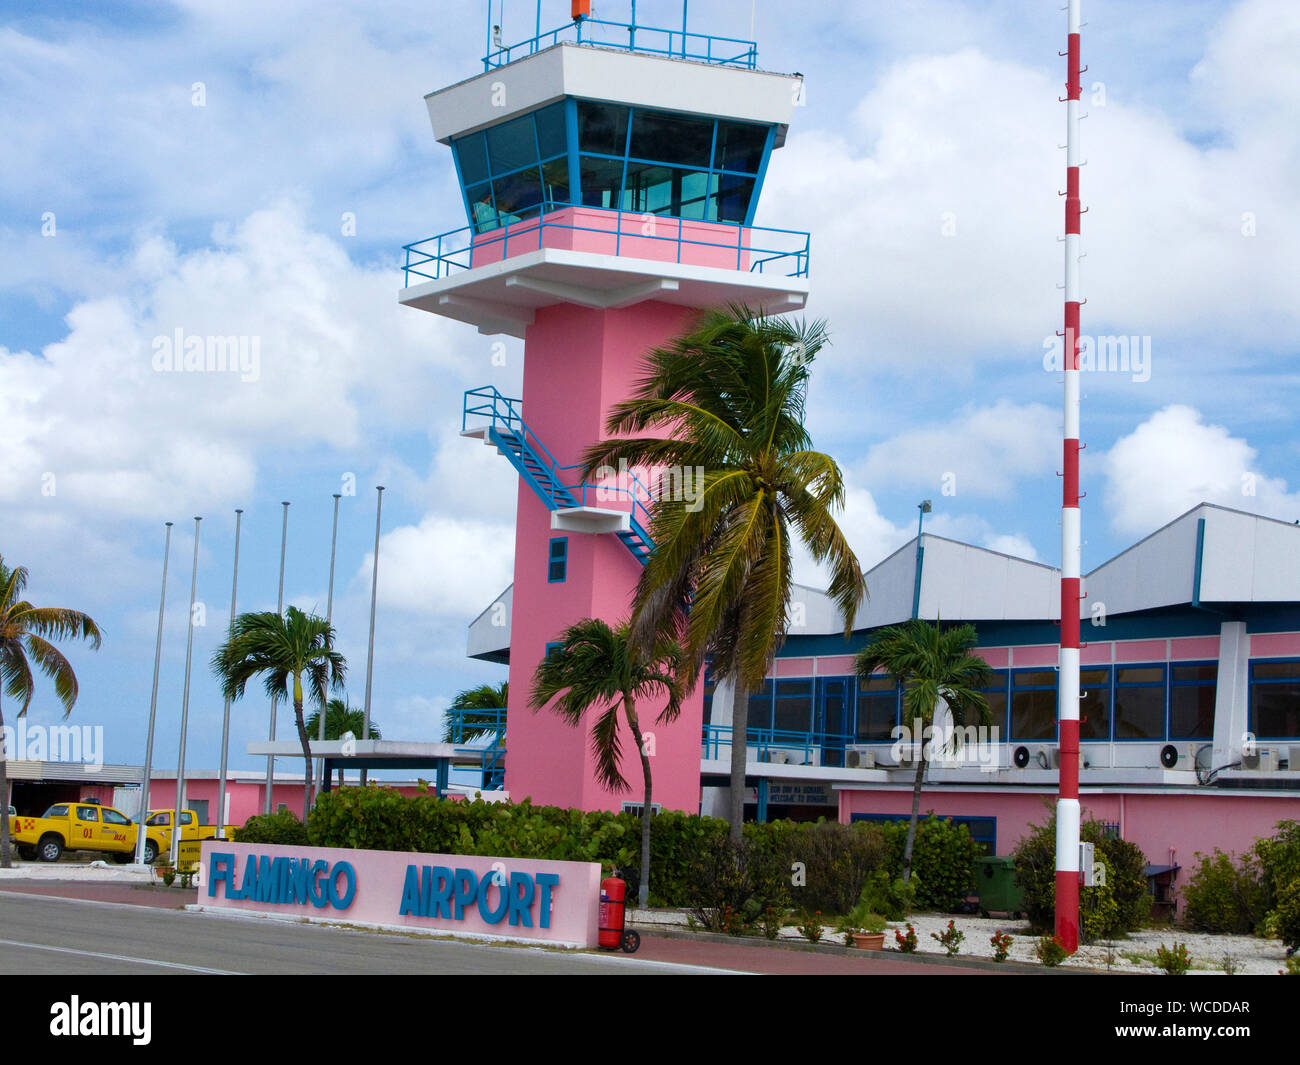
1067, 804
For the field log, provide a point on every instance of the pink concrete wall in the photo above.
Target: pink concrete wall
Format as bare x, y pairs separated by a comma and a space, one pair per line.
627, 235
381, 885
578, 363
1275, 644
1170, 828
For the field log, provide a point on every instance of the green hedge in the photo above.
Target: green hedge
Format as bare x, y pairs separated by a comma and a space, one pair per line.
1121, 906
811, 865
1259, 892
280, 828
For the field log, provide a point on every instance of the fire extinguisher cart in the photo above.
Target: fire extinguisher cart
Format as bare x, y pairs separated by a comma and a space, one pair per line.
613, 908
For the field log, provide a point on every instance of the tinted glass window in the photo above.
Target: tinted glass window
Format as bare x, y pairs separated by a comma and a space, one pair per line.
1094, 707
550, 130
1033, 705
681, 139
159, 819
793, 706
555, 181
602, 128
512, 145
601, 181
516, 193
1191, 701
760, 707
740, 146
472, 157
88, 813
112, 817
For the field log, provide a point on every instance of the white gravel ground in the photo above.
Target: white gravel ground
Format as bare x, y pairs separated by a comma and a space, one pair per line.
1134, 954
94, 872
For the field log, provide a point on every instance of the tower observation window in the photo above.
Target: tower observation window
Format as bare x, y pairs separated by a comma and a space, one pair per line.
629, 159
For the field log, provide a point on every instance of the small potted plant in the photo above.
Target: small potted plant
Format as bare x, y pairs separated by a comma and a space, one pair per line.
870, 935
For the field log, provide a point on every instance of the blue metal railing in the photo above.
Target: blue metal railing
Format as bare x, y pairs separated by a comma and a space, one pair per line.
493, 722
501, 416
679, 44
439, 256
807, 745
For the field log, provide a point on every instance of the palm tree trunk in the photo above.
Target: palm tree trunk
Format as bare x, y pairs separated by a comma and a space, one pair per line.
6, 861
306, 758
739, 735
643, 889
911, 828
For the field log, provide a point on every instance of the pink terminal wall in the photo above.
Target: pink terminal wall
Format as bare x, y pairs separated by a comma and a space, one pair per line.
1170, 828
627, 235
578, 363
382, 876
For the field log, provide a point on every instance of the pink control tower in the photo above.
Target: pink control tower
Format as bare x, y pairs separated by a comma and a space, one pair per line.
610, 174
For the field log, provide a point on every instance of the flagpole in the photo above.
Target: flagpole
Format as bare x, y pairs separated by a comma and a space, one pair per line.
279, 609
374, 590
153, 706
225, 713
185, 708
329, 618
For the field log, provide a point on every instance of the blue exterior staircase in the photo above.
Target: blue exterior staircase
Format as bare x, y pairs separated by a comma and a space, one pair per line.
506, 430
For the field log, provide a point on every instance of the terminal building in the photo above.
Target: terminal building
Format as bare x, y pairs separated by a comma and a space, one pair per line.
609, 178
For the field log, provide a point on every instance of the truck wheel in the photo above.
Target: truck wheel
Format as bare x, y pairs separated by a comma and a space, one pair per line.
50, 848
150, 851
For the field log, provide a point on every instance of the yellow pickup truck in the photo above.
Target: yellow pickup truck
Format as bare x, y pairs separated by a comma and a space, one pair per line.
85, 826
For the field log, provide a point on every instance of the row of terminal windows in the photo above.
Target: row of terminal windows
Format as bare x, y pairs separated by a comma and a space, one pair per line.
632, 159
1156, 702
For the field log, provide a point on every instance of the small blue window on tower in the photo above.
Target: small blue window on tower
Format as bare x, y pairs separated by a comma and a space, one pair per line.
557, 562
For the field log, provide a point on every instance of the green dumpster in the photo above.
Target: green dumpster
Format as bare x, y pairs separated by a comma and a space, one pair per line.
995, 883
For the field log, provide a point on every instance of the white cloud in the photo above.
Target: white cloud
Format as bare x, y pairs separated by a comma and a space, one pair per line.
333, 352
448, 567
1174, 460
982, 451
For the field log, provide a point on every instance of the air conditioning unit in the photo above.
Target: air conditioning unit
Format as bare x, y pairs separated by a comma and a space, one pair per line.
859, 758
1261, 760
1178, 755
1036, 756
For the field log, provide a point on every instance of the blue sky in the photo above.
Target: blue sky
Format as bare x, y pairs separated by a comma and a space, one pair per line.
924, 163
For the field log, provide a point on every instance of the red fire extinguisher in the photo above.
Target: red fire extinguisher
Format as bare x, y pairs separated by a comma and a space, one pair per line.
613, 893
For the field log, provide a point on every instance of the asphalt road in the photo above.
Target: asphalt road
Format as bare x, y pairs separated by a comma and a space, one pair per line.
41, 935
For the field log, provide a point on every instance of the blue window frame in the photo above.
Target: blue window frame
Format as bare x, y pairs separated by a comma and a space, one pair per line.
1274, 706
557, 560
760, 706
509, 171
794, 706
1033, 704
1096, 703
1192, 690
661, 162
1140, 701
551, 648
879, 699
997, 694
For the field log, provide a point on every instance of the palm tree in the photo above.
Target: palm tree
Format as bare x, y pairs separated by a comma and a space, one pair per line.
934, 664
341, 720
284, 648
728, 397
484, 697
596, 666
26, 632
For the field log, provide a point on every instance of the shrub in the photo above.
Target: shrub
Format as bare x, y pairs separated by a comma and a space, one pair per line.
1120, 906
811, 927
1051, 951
950, 939
943, 861
1175, 961
1001, 943
281, 828
1218, 895
1288, 916
905, 943
893, 898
